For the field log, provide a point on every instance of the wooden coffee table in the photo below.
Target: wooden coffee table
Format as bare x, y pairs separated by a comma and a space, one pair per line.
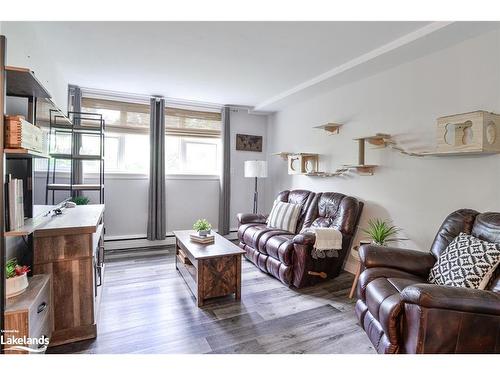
209, 271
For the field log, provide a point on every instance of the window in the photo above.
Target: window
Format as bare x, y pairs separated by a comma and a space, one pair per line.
187, 155
126, 147
192, 141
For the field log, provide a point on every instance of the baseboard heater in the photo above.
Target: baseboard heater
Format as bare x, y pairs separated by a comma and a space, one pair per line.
129, 243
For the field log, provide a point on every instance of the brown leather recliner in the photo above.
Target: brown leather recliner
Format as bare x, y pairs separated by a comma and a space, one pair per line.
402, 313
286, 255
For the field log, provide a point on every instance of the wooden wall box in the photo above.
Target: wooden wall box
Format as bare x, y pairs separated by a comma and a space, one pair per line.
19, 133
30, 314
474, 132
303, 163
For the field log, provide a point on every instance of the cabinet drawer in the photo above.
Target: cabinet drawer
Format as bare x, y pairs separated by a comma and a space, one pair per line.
40, 309
30, 314
45, 330
61, 248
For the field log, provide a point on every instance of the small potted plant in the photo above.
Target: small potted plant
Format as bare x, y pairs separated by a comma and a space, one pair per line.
80, 200
381, 231
17, 278
203, 227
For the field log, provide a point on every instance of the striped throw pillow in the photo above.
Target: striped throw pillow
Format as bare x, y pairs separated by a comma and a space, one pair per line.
284, 216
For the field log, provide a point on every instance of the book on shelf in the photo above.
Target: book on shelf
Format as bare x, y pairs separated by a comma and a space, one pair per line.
202, 239
15, 207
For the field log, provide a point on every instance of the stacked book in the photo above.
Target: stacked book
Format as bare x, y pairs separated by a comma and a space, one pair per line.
15, 207
202, 239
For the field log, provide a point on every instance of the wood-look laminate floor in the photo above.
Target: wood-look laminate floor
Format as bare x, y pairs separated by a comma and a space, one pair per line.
147, 308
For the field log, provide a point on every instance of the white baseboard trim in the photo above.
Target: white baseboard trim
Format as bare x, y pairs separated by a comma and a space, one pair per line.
139, 241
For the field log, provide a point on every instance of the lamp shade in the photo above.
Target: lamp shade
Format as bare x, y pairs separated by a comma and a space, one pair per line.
256, 168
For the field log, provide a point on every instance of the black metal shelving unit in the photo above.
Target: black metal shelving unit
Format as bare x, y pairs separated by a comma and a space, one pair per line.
76, 124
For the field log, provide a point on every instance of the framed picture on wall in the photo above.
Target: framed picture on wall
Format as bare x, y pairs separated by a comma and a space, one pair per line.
245, 142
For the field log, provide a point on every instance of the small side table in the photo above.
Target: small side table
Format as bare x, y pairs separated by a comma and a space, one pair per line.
355, 255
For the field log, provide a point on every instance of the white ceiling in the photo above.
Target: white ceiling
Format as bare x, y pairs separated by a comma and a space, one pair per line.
248, 63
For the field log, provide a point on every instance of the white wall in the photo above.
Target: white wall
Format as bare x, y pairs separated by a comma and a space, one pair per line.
416, 193
242, 188
26, 50
126, 199
188, 198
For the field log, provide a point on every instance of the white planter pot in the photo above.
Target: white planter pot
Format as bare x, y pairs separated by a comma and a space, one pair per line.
16, 285
204, 233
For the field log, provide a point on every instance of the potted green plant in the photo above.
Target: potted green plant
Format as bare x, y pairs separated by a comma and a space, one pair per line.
381, 231
17, 278
80, 200
203, 227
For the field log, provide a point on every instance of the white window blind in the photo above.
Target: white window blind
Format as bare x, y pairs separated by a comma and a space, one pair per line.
189, 123
133, 117
119, 116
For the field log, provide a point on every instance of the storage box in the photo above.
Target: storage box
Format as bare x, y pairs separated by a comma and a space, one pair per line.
19, 133
474, 132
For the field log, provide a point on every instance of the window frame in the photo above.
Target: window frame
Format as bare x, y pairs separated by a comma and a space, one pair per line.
121, 131
183, 156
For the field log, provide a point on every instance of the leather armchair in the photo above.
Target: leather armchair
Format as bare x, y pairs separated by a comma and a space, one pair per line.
251, 218
287, 255
402, 313
415, 262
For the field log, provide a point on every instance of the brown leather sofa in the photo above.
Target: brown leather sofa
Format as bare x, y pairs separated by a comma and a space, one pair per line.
287, 255
402, 313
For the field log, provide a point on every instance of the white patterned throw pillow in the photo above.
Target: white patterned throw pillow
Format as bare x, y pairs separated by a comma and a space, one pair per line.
467, 262
284, 216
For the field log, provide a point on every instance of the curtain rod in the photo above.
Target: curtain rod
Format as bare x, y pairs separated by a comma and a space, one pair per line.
144, 99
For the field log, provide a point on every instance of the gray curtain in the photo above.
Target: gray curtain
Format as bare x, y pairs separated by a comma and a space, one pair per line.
75, 105
157, 227
225, 178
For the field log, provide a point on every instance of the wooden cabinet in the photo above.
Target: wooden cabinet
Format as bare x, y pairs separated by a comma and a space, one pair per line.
30, 314
69, 247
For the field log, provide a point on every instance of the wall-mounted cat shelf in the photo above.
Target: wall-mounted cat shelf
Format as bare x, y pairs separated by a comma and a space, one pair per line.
379, 140
472, 133
338, 172
306, 164
303, 163
283, 154
331, 127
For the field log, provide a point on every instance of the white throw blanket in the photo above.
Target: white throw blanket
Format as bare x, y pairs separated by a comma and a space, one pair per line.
328, 242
